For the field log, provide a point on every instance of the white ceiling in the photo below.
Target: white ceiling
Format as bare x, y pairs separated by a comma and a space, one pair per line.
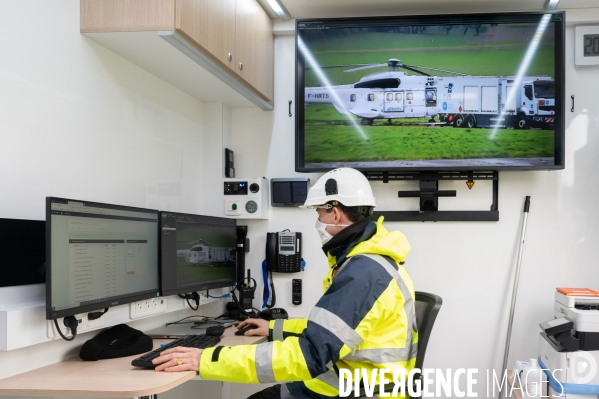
357, 8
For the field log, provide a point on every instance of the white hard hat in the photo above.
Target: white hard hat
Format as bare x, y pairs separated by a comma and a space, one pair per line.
346, 185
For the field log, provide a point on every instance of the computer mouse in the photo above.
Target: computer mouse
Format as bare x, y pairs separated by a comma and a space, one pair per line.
242, 330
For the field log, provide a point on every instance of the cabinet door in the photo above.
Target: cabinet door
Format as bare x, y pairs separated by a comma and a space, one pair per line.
209, 24
126, 16
254, 47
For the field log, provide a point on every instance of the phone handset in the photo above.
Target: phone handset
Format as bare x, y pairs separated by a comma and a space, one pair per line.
272, 251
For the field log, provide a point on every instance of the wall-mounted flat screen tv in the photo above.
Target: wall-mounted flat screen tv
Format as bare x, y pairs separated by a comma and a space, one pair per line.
461, 93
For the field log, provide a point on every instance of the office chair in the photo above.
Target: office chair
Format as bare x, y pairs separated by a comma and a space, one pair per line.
427, 307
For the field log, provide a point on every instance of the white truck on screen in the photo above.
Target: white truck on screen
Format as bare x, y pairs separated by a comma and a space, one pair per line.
497, 102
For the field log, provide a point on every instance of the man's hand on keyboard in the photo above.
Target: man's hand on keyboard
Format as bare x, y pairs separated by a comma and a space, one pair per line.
179, 359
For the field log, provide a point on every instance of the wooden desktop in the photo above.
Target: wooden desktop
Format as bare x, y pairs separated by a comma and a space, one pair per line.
110, 378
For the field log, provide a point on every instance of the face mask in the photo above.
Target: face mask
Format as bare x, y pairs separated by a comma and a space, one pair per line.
325, 236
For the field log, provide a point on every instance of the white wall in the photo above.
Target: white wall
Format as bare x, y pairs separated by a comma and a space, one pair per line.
80, 122
469, 264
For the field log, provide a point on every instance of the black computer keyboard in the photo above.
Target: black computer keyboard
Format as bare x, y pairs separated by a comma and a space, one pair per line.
189, 341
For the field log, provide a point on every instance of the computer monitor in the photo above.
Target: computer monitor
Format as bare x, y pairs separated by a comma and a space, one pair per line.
196, 253
22, 252
98, 255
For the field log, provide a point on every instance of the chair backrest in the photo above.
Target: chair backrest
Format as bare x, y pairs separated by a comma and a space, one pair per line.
427, 307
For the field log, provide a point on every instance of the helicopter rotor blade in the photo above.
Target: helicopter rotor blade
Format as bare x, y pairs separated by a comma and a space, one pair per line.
410, 68
400, 65
336, 66
366, 67
436, 69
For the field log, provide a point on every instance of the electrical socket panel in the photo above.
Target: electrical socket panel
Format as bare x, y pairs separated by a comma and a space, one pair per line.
147, 307
204, 299
85, 325
246, 198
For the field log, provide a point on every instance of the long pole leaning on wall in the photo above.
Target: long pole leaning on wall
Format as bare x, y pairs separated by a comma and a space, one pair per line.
514, 294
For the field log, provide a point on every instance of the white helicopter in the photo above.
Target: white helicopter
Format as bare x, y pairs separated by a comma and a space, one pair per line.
382, 95
201, 253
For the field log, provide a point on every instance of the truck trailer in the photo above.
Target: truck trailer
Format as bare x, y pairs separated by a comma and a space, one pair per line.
496, 102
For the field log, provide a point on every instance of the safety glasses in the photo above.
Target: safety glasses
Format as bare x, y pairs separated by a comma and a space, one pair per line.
325, 206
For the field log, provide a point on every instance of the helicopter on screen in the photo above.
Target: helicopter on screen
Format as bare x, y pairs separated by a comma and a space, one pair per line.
382, 95
201, 253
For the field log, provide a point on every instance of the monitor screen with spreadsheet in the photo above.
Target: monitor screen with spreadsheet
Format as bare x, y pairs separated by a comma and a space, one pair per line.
98, 256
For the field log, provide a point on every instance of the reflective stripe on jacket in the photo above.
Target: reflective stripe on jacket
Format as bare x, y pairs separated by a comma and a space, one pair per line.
365, 319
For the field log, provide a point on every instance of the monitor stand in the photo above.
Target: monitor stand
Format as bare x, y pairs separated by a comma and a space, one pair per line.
429, 194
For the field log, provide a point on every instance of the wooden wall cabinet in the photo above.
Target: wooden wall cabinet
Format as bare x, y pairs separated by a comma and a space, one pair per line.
210, 25
254, 46
235, 34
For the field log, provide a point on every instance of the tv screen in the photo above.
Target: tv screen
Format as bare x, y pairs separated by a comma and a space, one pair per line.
459, 93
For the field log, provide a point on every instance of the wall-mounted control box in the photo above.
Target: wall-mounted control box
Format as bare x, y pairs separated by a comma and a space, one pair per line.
246, 198
291, 191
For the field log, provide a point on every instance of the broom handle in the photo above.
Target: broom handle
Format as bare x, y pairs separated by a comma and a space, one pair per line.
515, 291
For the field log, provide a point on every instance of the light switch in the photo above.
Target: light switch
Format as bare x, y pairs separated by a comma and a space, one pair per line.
232, 207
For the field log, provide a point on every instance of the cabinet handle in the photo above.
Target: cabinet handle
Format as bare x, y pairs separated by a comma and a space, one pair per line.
572, 97
241, 66
230, 57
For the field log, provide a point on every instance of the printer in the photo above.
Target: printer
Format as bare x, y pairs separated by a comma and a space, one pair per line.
569, 347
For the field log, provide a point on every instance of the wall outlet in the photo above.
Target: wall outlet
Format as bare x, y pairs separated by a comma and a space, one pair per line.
84, 326
147, 307
204, 299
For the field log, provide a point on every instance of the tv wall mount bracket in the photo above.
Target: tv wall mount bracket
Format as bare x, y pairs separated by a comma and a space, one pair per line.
429, 194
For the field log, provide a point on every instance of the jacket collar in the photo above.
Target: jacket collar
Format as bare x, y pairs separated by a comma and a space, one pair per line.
344, 241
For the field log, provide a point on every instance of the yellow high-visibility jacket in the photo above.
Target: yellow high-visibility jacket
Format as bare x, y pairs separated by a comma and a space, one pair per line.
364, 320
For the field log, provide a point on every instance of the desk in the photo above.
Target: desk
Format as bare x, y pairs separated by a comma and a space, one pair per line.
110, 378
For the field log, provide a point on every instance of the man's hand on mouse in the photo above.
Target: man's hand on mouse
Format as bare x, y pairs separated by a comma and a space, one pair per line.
261, 330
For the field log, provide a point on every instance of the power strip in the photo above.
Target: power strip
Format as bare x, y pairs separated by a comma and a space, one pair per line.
147, 307
84, 326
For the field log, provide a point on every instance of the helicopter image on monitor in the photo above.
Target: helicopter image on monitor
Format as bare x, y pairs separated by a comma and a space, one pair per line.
382, 95
201, 253
465, 100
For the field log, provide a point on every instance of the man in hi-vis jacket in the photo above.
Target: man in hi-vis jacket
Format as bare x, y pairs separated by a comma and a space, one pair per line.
365, 318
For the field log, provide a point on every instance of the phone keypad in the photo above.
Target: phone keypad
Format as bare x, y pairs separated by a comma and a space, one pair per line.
289, 263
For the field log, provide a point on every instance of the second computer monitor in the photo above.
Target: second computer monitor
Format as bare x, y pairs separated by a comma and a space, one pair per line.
197, 252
